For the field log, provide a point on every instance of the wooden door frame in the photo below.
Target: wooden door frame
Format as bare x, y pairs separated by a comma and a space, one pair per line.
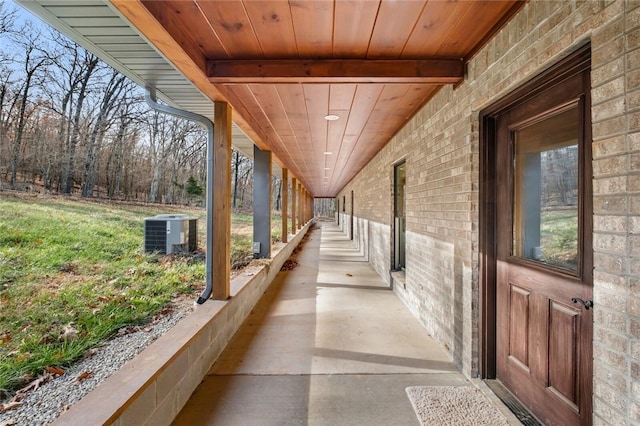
577, 61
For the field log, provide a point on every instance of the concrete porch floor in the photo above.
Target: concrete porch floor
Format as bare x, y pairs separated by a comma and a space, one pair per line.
328, 344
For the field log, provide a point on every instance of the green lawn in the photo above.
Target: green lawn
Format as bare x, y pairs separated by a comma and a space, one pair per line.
559, 237
80, 266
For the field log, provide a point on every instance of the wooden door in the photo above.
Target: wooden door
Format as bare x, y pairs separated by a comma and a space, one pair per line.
543, 252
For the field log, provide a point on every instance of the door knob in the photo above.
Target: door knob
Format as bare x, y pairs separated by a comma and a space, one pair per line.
587, 304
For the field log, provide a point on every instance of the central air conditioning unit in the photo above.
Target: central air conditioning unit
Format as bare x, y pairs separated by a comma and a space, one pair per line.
170, 233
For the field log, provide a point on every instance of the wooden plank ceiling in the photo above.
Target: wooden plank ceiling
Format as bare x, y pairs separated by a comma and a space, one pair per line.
285, 65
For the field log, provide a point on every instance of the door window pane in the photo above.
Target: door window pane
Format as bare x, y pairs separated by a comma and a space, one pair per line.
545, 222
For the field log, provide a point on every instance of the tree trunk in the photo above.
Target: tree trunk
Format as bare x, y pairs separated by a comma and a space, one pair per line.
114, 89
75, 132
279, 196
236, 166
17, 145
153, 192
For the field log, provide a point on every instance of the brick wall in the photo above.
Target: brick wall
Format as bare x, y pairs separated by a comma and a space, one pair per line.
441, 145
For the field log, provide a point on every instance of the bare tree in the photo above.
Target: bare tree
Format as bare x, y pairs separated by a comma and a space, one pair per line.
9, 103
128, 123
165, 134
242, 169
66, 77
7, 17
59, 104
35, 59
88, 66
276, 184
112, 95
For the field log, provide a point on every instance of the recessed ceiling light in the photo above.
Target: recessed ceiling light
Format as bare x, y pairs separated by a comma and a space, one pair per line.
328, 153
331, 117
326, 168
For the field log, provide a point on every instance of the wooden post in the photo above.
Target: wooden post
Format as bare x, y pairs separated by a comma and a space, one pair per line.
221, 201
306, 206
300, 198
294, 192
301, 221
285, 205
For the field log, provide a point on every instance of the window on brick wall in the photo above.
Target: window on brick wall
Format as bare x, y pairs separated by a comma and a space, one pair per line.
399, 223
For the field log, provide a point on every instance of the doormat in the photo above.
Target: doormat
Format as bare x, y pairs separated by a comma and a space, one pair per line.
454, 405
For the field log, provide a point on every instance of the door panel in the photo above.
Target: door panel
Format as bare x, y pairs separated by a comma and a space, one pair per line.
543, 253
519, 326
563, 344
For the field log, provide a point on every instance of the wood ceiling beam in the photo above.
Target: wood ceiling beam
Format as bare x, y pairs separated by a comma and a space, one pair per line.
335, 71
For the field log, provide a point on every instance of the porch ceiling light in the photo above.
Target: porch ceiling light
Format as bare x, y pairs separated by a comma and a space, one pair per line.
331, 117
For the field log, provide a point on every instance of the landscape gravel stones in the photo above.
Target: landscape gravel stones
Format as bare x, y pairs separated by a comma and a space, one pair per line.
44, 404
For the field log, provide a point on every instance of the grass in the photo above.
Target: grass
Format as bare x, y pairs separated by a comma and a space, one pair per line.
72, 273
559, 231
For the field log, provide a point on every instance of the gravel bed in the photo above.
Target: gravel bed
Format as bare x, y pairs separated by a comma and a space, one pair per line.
44, 404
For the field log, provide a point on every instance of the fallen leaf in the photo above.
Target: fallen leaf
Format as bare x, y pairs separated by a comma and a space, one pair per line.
349, 275
36, 383
9, 406
147, 329
31, 387
6, 337
84, 375
69, 333
55, 371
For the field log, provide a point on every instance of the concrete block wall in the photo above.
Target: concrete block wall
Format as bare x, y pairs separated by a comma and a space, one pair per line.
379, 243
441, 146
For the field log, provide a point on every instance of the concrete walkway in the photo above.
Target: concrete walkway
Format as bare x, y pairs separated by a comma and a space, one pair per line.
329, 344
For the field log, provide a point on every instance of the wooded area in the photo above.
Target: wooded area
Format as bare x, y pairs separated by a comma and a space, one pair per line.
70, 124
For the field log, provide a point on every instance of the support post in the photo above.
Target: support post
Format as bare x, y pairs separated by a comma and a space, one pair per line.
294, 193
306, 206
285, 205
300, 209
261, 203
221, 202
